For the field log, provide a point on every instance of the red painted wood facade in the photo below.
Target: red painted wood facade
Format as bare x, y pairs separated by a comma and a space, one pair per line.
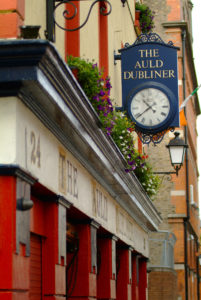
40, 275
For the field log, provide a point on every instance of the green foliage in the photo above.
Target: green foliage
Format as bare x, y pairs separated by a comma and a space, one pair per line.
88, 75
146, 17
122, 134
97, 88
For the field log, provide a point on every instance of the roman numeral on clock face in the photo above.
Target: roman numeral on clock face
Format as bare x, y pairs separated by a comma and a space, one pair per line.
137, 115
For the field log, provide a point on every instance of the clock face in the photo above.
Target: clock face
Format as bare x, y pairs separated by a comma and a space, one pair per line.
150, 107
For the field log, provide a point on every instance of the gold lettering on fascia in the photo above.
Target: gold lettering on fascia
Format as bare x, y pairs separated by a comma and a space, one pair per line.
68, 176
125, 226
150, 59
32, 148
100, 205
62, 172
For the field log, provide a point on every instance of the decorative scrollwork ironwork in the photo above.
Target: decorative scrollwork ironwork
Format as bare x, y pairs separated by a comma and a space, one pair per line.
105, 10
170, 43
167, 177
164, 177
150, 38
155, 138
127, 45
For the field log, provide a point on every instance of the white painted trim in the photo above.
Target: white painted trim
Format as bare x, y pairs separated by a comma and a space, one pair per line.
178, 193
179, 266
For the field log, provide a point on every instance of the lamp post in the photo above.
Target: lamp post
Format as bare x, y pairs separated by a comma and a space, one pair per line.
177, 149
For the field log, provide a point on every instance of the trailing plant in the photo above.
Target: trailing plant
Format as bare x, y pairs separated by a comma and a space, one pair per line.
116, 124
122, 134
146, 17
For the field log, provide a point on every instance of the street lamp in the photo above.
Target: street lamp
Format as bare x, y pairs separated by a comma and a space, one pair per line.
177, 149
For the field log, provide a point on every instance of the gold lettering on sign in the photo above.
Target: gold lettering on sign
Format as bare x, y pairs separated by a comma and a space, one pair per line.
68, 176
100, 204
153, 74
144, 64
149, 53
150, 67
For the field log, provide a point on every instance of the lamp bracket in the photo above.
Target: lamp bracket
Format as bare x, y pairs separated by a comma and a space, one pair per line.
165, 175
177, 168
69, 13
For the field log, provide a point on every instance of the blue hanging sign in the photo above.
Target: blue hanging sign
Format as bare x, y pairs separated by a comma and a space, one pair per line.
150, 84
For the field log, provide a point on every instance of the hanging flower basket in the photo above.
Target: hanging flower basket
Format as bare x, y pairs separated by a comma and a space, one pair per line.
29, 31
115, 123
74, 70
146, 17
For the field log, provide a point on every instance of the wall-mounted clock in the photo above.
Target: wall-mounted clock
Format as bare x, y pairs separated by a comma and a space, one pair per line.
152, 107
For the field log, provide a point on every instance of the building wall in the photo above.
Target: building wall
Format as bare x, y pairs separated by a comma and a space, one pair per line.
167, 282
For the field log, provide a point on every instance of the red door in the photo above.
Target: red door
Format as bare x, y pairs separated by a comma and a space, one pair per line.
35, 291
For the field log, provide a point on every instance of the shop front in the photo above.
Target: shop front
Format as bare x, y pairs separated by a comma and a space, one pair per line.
73, 224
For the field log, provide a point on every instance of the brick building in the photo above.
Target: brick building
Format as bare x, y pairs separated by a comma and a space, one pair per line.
177, 200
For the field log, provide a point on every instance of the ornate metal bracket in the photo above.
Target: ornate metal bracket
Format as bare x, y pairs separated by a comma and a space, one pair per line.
116, 57
69, 14
165, 176
156, 138
146, 138
151, 38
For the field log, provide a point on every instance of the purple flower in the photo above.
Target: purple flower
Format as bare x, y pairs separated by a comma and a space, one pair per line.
109, 101
96, 98
100, 107
108, 85
131, 163
101, 93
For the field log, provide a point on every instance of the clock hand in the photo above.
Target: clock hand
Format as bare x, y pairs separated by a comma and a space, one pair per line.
154, 110
150, 106
139, 115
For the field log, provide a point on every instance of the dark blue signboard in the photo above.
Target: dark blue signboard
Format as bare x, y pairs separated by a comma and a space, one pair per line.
150, 83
